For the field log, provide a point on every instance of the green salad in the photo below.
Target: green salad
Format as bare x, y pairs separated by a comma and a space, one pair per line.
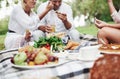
53, 41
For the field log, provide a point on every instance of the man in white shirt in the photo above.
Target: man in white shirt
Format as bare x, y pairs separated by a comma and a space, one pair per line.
60, 15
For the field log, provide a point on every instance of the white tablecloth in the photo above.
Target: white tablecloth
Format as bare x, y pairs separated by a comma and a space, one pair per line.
74, 69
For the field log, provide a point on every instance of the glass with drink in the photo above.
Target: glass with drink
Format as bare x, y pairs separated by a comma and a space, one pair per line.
53, 28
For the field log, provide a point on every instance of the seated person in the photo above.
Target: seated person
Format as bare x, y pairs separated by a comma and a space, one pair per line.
59, 14
22, 19
109, 33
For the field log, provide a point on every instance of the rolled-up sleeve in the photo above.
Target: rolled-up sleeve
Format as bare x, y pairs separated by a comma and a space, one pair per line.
116, 16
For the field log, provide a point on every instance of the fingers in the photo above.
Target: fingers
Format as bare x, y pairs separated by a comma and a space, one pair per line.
50, 6
48, 29
27, 35
61, 16
97, 22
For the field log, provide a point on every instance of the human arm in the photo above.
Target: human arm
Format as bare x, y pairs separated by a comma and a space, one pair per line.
63, 17
42, 10
100, 24
114, 14
47, 9
67, 11
111, 6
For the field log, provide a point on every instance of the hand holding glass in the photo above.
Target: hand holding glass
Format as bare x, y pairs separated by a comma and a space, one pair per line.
53, 28
50, 29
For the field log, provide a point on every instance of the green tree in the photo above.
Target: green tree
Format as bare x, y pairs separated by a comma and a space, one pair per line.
95, 8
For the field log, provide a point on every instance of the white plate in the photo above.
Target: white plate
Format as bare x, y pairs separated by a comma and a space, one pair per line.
60, 62
77, 56
90, 59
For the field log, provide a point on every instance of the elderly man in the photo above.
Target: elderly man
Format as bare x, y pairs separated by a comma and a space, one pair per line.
59, 14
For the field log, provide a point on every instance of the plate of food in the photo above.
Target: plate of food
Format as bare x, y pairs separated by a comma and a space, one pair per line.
50, 64
29, 57
110, 49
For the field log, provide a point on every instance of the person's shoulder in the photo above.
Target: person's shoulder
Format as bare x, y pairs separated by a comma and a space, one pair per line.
17, 8
66, 5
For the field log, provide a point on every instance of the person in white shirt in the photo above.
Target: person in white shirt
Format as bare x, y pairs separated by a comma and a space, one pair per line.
60, 15
109, 33
22, 25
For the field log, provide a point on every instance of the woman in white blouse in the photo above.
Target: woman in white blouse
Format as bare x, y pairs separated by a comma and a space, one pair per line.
22, 25
109, 33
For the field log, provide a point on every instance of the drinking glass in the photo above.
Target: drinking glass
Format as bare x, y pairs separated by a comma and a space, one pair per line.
53, 28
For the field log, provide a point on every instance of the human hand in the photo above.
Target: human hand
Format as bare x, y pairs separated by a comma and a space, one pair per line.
42, 28
62, 16
27, 35
50, 6
46, 28
50, 28
100, 24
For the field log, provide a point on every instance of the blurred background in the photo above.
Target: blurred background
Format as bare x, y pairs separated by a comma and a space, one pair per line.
84, 12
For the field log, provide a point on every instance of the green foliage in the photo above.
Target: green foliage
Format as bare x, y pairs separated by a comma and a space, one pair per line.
42, 0
117, 4
2, 37
43, 41
102, 10
15, 1
95, 8
90, 29
4, 26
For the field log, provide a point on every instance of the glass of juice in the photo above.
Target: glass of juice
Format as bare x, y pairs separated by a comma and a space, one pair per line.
53, 28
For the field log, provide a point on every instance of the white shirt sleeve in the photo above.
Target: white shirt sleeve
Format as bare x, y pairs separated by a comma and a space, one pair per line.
116, 16
70, 16
68, 10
